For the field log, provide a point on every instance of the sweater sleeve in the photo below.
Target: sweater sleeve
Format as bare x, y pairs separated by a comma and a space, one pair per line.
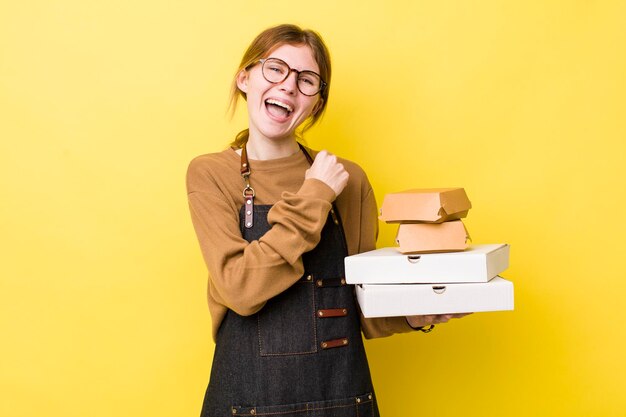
244, 275
383, 326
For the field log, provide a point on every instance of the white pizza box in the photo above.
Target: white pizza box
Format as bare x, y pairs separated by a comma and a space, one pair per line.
478, 263
418, 299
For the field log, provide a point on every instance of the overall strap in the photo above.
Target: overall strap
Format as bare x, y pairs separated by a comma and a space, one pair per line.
248, 191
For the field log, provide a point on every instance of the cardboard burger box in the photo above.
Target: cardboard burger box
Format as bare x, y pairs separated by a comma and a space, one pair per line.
479, 263
433, 205
418, 299
432, 237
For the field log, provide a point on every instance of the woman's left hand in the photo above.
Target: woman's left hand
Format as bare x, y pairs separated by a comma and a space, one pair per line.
419, 321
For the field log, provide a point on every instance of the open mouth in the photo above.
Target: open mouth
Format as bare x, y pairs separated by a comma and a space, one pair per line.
277, 108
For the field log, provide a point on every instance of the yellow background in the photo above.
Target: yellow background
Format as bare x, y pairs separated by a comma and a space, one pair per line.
103, 103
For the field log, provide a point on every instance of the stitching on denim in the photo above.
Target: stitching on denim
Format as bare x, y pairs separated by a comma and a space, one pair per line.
314, 318
258, 329
309, 352
311, 409
303, 410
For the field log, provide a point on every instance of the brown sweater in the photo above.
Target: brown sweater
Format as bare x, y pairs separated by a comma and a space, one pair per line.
242, 275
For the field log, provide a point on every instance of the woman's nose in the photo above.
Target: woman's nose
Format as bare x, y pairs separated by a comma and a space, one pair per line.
290, 84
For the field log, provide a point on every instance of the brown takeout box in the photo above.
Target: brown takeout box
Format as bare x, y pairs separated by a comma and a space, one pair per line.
432, 237
431, 205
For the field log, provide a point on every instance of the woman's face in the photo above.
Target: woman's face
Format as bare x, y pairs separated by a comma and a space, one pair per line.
276, 110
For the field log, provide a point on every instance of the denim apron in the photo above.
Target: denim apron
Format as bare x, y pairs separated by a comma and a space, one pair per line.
302, 354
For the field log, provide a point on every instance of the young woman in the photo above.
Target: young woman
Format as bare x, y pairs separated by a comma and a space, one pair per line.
275, 220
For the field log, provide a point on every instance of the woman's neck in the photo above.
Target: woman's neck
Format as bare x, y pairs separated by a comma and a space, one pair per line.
266, 149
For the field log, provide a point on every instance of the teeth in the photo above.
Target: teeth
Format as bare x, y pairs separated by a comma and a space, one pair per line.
280, 103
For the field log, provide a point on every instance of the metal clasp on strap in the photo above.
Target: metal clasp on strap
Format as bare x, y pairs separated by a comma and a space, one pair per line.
248, 197
248, 191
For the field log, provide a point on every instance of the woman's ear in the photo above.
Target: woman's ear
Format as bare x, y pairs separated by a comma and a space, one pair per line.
242, 81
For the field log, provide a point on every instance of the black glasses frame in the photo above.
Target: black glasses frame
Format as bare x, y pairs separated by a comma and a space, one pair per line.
322, 82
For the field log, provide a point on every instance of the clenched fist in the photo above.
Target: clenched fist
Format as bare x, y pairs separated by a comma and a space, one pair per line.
326, 169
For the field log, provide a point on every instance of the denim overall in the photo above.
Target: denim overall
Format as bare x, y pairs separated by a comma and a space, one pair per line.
302, 354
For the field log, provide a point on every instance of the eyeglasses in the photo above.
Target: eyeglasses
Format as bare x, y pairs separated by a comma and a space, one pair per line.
276, 71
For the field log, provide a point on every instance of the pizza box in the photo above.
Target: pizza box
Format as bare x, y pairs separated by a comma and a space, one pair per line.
478, 263
420, 299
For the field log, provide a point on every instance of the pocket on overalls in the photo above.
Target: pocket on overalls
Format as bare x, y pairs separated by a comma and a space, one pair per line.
287, 322
361, 406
